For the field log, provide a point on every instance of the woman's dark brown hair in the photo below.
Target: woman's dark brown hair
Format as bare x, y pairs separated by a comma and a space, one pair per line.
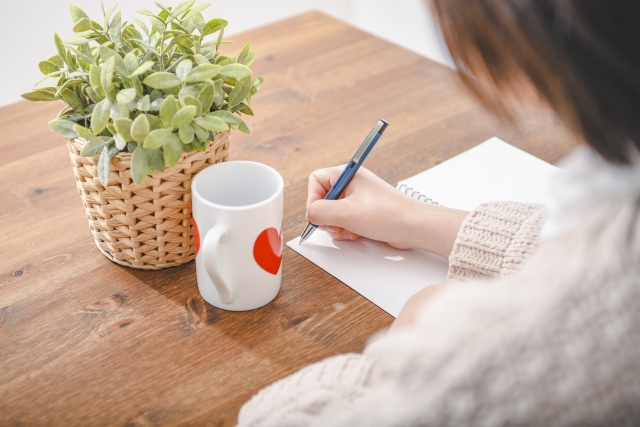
581, 56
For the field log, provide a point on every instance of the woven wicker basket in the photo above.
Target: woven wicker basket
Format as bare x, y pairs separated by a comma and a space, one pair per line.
144, 226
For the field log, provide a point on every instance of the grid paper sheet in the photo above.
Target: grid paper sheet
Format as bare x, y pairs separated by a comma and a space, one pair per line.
491, 171
385, 276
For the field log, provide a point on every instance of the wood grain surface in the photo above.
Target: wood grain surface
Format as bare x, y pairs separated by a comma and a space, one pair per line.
84, 341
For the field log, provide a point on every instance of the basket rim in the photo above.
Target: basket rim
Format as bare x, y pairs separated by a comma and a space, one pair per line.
80, 141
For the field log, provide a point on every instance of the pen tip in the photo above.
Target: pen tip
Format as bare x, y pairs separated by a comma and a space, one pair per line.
301, 240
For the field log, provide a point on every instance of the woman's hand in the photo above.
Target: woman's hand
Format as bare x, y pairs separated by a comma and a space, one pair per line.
374, 209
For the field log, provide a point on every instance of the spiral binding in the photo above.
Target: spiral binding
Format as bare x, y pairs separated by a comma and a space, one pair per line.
409, 191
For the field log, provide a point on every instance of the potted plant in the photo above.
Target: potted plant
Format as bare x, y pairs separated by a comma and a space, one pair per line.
147, 107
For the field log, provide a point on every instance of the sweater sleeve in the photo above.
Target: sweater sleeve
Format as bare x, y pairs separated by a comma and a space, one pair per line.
305, 395
495, 240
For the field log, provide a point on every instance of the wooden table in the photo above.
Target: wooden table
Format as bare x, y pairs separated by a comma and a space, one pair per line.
84, 341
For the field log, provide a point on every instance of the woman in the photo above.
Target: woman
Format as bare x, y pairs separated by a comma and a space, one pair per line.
539, 321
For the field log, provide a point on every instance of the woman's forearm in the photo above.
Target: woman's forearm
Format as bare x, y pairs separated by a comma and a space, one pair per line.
432, 228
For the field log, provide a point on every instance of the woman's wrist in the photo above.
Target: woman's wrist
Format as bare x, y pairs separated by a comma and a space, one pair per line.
431, 228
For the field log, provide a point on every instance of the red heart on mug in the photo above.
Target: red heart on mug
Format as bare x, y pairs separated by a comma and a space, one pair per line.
267, 250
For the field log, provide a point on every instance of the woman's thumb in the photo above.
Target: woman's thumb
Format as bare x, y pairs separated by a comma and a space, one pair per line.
326, 212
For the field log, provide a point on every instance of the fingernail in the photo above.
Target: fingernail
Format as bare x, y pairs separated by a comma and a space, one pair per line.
352, 236
331, 228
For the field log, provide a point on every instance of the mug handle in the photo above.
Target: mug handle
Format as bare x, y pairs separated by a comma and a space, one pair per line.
218, 234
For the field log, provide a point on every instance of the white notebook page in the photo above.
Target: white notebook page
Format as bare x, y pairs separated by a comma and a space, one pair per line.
385, 276
491, 171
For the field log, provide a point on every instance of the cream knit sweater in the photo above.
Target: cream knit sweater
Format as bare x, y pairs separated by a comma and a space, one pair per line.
541, 336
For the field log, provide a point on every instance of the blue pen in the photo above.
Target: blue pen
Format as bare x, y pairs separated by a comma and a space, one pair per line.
349, 172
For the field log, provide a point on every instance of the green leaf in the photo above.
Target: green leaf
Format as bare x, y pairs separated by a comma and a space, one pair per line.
256, 84
202, 134
106, 75
94, 78
186, 134
103, 166
106, 53
86, 134
242, 127
157, 137
184, 92
235, 71
168, 109
62, 51
119, 111
144, 104
196, 10
76, 40
219, 39
76, 13
93, 95
157, 24
212, 123
200, 59
100, 116
140, 129
47, 67
142, 68
155, 105
63, 127
183, 68
181, 8
200, 146
172, 150
244, 109
218, 93
244, 53
213, 25
126, 96
190, 100
72, 100
240, 91
139, 164
203, 72
206, 98
145, 12
120, 142
107, 14
229, 118
91, 148
250, 58
115, 28
154, 122
184, 116
123, 127
142, 25
39, 96
138, 85
155, 160
162, 80
84, 24
130, 62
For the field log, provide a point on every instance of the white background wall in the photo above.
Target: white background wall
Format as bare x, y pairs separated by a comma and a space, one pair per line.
27, 27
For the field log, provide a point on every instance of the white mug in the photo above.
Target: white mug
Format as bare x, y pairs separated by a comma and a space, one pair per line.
237, 221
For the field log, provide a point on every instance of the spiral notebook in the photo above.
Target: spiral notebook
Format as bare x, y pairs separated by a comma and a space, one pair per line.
491, 171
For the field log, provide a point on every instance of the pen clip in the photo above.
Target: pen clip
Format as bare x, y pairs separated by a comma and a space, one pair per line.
368, 140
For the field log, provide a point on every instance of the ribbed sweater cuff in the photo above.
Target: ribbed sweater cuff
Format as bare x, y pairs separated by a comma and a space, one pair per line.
495, 240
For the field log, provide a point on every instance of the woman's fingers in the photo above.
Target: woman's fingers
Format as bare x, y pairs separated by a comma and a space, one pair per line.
320, 182
330, 212
338, 233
